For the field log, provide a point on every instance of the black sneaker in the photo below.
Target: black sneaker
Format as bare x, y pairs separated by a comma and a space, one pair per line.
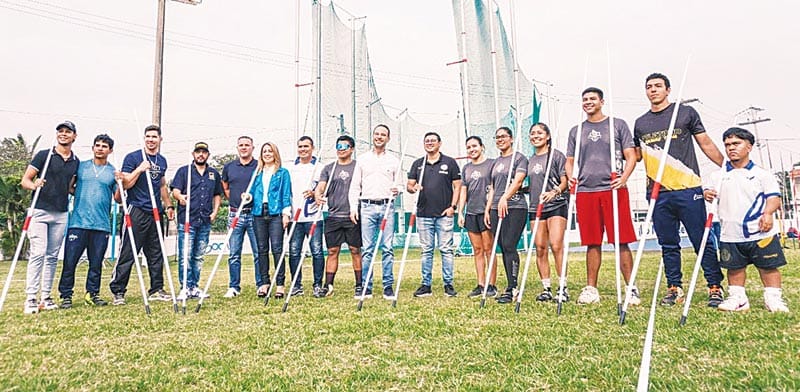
357, 293
491, 292
564, 296
297, 291
715, 296
367, 294
449, 290
66, 303
507, 297
423, 291
318, 292
388, 293
546, 295
476, 292
94, 299
119, 299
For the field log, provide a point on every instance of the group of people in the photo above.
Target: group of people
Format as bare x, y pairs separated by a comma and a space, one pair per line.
486, 197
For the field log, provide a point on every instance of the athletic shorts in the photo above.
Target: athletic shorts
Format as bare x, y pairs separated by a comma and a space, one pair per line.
559, 211
474, 223
595, 211
763, 253
342, 230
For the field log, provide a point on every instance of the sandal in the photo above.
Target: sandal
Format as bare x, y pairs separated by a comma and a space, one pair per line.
280, 292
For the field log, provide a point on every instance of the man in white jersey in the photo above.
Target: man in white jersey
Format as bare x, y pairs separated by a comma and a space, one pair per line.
305, 176
748, 197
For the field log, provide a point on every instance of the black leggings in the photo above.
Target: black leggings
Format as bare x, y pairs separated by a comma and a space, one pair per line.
510, 233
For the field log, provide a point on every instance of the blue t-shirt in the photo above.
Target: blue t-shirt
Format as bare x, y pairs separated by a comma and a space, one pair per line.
138, 194
204, 187
93, 193
238, 178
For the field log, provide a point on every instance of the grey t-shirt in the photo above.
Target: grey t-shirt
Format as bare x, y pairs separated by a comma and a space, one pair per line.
594, 162
477, 177
537, 164
500, 178
338, 187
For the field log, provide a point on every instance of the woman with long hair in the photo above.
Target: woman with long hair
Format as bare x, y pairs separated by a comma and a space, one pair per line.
555, 198
475, 180
272, 209
508, 203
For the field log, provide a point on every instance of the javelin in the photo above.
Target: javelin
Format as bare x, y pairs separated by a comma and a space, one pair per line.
25, 226
654, 193
614, 191
186, 229
317, 218
408, 232
573, 191
246, 198
378, 244
647, 352
701, 251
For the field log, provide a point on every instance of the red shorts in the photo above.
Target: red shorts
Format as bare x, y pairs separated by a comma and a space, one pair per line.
595, 212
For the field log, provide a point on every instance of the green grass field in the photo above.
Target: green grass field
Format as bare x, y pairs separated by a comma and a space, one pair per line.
433, 343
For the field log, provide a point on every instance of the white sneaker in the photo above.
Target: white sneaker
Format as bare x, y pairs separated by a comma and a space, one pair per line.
182, 295
197, 293
589, 295
48, 304
634, 299
735, 304
232, 292
31, 306
775, 303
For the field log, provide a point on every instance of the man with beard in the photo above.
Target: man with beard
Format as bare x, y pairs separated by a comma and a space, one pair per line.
205, 197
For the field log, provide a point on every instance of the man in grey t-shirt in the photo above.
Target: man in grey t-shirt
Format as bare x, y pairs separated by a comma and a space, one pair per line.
596, 183
339, 229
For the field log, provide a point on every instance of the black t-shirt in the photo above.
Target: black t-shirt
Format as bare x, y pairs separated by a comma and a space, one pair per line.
54, 195
437, 183
650, 133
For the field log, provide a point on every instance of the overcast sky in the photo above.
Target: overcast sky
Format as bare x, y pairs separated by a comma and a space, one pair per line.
229, 65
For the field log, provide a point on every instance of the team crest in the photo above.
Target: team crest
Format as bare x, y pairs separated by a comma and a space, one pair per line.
725, 254
443, 167
211, 176
594, 135
475, 175
538, 169
500, 167
343, 175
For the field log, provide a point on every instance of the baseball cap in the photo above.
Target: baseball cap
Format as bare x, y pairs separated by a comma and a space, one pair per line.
201, 146
67, 124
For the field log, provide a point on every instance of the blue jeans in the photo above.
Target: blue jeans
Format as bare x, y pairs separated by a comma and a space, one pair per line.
688, 207
429, 230
95, 243
269, 235
296, 248
198, 240
371, 217
243, 226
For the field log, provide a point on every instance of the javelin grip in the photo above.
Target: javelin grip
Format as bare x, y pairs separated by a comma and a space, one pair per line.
656, 190
412, 219
128, 221
297, 215
539, 209
27, 223
156, 215
234, 222
383, 224
709, 220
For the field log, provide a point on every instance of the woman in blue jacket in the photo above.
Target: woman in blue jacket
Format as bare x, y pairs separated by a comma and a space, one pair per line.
272, 207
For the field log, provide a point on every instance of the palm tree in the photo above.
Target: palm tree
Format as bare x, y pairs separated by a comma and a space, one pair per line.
15, 154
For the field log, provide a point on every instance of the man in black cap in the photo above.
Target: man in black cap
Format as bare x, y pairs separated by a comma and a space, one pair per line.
53, 170
204, 201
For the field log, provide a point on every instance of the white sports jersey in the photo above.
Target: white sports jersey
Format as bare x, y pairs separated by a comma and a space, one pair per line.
743, 196
301, 174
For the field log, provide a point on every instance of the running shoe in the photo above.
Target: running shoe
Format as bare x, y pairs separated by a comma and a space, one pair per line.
232, 292
775, 303
160, 295
476, 292
423, 291
119, 299
94, 299
48, 304
388, 293
734, 304
674, 296
66, 303
546, 295
635, 299
31, 306
589, 295
715, 296
449, 290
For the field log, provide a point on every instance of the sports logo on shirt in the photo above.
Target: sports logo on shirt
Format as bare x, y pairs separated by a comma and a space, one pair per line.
211, 176
500, 167
343, 175
538, 169
475, 175
443, 168
594, 135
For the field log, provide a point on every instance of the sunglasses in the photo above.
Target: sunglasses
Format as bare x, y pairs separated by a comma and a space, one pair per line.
342, 146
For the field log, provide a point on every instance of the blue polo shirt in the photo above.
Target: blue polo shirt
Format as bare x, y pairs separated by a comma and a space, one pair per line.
204, 187
238, 177
54, 196
139, 194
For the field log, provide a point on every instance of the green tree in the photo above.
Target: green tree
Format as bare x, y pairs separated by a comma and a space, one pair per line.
15, 153
219, 160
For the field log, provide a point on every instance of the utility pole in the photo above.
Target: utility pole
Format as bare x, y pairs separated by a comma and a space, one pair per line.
159, 63
753, 118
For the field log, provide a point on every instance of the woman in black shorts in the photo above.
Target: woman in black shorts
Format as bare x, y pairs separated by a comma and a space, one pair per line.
505, 201
475, 179
553, 219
